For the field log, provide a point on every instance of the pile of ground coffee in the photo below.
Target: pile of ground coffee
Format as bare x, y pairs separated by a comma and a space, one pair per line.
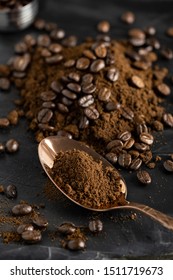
86, 181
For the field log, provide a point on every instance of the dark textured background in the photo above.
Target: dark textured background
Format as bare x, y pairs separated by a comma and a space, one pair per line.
121, 238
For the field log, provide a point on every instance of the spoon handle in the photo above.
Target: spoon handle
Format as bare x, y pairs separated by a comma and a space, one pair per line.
163, 219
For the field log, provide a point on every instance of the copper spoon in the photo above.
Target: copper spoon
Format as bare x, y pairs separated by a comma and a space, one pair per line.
50, 146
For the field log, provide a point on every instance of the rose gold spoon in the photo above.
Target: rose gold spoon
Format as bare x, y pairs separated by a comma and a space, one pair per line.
47, 151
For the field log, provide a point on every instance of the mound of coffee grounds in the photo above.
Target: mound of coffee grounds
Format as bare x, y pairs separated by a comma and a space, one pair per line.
87, 181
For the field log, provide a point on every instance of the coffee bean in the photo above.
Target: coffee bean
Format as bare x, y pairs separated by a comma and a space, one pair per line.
30, 40
62, 108
55, 86
76, 244
47, 95
141, 147
82, 63
83, 122
137, 42
104, 94
135, 154
11, 191
20, 48
150, 31
141, 65
20, 63
24, 227
146, 156
69, 94
112, 157
169, 31
86, 101
88, 88
39, 24
87, 79
57, 34
40, 221
141, 128
146, 138
103, 26
46, 127
144, 177
48, 104
89, 54
153, 42
67, 228
50, 26
54, 59
144, 51
43, 40
45, 115
97, 65
12, 146
4, 122
168, 165
66, 101
55, 48
91, 113
21, 209
4, 84
13, 117
136, 164
124, 136
19, 75
95, 226
2, 147
133, 55
137, 81
100, 51
158, 126
166, 53
31, 236
168, 119
74, 87
74, 76
63, 133
128, 17
136, 33
110, 58
70, 41
114, 144
163, 89
113, 74
69, 63
127, 113
124, 160
45, 53
112, 106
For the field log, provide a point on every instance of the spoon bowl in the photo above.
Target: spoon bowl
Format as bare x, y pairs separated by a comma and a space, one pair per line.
50, 146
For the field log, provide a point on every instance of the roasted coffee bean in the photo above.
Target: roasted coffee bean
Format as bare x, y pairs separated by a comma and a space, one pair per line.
95, 226
12, 146
47, 95
11, 191
43, 40
57, 34
91, 113
30, 40
20, 63
146, 138
54, 59
39, 24
55, 86
69, 63
83, 122
74, 76
111, 106
45, 115
113, 74
127, 113
110, 58
168, 119
87, 79
4, 84
48, 104
21, 209
89, 54
150, 31
13, 117
66, 101
88, 88
144, 52
45, 127
31, 236
135, 164
100, 51
141, 65
2, 147
124, 160
86, 101
146, 156
128, 17
134, 154
63, 133
153, 42
114, 144
50, 26
4, 122
74, 87
20, 48
103, 26
67, 228
124, 136
76, 244
112, 157
141, 147
62, 108
19, 75
169, 31
65, 79
137, 42
166, 53
104, 94
141, 128
40, 221
45, 53
82, 63
144, 177
24, 227
55, 48
129, 144
69, 94
133, 55
158, 126
136, 33
97, 65
168, 165
163, 89
70, 41
137, 81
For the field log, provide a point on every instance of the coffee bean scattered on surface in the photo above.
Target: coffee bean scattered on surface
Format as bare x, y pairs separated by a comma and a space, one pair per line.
144, 177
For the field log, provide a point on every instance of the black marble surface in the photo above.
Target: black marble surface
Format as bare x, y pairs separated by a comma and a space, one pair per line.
121, 238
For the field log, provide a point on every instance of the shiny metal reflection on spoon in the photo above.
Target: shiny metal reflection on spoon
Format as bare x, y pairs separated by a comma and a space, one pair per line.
47, 151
